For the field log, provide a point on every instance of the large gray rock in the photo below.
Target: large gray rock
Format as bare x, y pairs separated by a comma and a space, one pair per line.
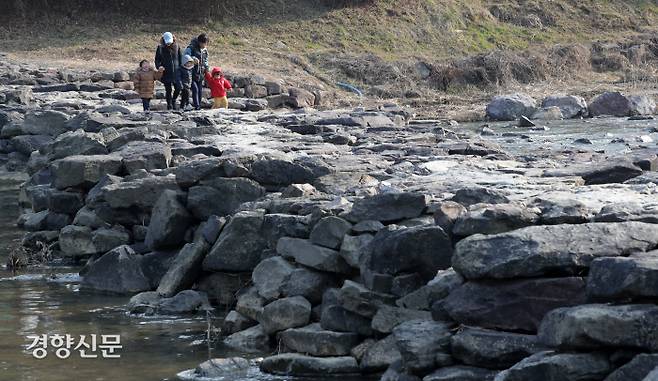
438, 288
613, 171
281, 171
223, 288
191, 172
329, 232
105, 239
419, 342
389, 317
353, 247
315, 341
270, 275
635, 370
78, 241
236, 322
493, 349
285, 313
421, 249
251, 340
298, 98
337, 318
479, 195
48, 122
156, 264
76, 143
145, 155
511, 107
45, 220
26, 144
571, 106
447, 213
222, 196
514, 305
381, 355
240, 244
610, 103
628, 211
184, 270
635, 277
314, 256
84, 170
539, 250
142, 192
599, 325
233, 367
65, 202
555, 212
185, 302
308, 283
169, 222
461, 373
642, 105
119, 271
356, 298
388, 207
548, 366
493, 219
250, 303
296, 365
277, 225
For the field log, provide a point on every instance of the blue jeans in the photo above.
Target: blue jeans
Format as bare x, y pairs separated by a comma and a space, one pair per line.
146, 103
197, 91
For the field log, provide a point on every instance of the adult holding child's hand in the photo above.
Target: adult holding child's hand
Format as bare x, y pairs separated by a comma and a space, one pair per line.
199, 52
168, 57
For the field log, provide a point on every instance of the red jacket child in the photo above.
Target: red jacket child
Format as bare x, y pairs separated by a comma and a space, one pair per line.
217, 83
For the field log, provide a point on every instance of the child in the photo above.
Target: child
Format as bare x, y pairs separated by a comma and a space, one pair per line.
218, 86
144, 81
184, 77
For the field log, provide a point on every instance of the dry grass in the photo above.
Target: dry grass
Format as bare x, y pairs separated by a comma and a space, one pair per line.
475, 48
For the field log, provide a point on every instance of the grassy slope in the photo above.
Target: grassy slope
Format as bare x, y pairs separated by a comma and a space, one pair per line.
431, 30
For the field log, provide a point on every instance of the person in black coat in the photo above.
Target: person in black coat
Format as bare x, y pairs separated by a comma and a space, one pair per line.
169, 56
198, 49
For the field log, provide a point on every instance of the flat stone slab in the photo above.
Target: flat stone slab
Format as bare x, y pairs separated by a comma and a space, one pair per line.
540, 250
292, 364
315, 341
593, 326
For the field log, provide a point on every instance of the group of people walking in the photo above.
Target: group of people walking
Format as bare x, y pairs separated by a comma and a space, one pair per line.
183, 73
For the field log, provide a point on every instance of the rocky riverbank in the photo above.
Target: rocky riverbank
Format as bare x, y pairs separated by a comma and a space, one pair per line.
357, 242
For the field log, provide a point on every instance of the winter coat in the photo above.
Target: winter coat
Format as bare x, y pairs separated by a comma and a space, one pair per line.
170, 58
194, 50
145, 82
218, 86
184, 77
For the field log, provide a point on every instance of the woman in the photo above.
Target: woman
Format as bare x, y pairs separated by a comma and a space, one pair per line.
169, 55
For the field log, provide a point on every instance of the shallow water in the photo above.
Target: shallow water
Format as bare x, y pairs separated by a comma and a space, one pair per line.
562, 134
48, 301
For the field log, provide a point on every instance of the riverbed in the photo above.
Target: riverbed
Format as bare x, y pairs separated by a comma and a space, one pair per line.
49, 301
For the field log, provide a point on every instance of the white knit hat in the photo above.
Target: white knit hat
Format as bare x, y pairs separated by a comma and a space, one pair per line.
168, 38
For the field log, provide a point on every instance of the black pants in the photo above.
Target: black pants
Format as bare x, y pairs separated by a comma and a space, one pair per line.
184, 97
171, 100
197, 93
146, 102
